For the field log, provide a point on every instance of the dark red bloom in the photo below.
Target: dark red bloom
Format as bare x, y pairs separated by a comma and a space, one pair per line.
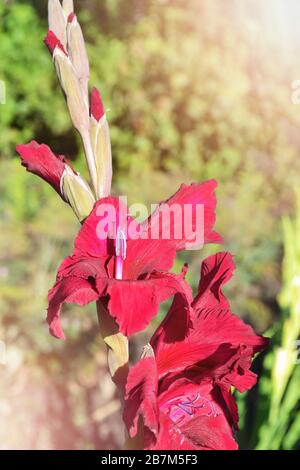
180, 396
126, 268
40, 160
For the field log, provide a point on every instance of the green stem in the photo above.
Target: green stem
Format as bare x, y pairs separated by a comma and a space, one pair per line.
117, 348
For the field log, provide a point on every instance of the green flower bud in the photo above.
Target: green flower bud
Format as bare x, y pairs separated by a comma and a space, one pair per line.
77, 193
68, 7
77, 52
57, 21
78, 108
100, 138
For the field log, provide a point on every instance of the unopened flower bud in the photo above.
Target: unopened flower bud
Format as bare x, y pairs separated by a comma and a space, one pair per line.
56, 170
57, 21
77, 52
68, 7
52, 42
99, 131
41, 161
77, 193
70, 84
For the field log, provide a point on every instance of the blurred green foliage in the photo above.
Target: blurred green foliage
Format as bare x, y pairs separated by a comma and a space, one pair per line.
32, 108
270, 413
193, 90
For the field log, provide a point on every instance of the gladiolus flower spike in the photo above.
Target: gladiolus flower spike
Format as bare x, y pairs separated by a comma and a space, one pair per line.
178, 395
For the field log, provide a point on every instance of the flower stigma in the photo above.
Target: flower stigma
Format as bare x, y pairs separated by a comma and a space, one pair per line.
120, 253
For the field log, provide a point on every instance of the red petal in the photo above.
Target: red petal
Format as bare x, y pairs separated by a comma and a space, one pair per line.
134, 303
84, 268
80, 281
210, 433
96, 237
169, 437
145, 256
243, 381
185, 204
230, 408
40, 160
214, 326
239, 374
228, 366
175, 325
178, 356
216, 271
141, 397
68, 290
97, 108
213, 322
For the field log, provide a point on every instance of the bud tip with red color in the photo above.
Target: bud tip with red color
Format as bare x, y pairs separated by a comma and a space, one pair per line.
71, 17
97, 108
52, 42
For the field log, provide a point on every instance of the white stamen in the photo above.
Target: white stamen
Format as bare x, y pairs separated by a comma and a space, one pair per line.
121, 244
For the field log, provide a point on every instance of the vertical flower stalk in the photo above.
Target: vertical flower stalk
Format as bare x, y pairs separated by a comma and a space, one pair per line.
179, 394
66, 44
116, 342
117, 348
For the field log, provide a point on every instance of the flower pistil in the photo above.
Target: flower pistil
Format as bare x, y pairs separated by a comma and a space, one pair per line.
120, 253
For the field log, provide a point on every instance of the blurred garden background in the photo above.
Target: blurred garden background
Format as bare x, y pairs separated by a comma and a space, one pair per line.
195, 89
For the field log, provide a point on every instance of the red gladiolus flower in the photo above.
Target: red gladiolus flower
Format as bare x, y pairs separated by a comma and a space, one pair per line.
179, 397
127, 269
